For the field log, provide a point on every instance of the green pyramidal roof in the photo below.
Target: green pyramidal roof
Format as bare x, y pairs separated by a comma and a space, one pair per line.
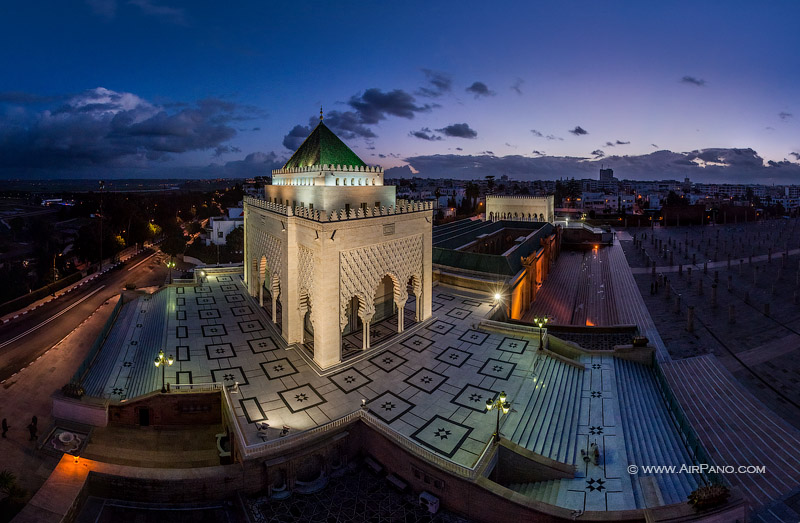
322, 147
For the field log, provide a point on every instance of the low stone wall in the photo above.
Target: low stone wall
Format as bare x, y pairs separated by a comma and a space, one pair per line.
89, 411
169, 410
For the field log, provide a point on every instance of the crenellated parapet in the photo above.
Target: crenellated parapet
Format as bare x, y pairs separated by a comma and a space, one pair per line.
366, 169
340, 214
515, 197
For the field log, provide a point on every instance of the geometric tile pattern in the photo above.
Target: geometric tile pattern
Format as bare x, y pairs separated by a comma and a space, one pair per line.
453, 356
229, 375
497, 369
426, 380
389, 407
442, 435
278, 369
301, 398
474, 337
218, 351
387, 361
417, 343
474, 397
262, 345
349, 380
512, 345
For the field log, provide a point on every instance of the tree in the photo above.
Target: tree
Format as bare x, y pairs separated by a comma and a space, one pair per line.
490, 183
235, 240
174, 245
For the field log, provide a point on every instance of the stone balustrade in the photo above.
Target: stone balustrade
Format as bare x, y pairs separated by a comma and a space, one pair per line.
340, 214
375, 169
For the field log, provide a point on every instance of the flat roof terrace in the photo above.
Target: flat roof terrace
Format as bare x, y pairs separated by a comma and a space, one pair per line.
429, 384
461, 244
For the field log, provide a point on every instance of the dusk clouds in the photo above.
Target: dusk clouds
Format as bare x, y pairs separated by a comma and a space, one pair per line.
479, 89
425, 134
100, 127
691, 80
578, 131
459, 130
438, 84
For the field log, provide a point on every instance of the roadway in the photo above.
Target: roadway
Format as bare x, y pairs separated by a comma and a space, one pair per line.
25, 339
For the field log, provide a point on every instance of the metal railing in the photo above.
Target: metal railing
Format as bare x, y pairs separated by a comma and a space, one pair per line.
98, 344
196, 387
690, 438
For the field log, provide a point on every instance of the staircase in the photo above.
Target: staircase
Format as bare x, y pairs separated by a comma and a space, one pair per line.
548, 423
651, 437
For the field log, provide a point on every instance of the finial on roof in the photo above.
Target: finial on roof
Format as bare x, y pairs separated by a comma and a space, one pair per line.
320, 113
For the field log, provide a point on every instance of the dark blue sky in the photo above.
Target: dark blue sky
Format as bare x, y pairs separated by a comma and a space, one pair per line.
155, 87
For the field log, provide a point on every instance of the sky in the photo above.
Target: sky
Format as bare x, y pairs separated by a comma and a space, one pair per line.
163, 88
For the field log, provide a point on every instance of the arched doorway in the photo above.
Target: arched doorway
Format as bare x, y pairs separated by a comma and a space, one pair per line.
308, 325
352, 335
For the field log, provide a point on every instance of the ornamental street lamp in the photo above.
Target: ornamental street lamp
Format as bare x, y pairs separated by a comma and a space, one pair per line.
540, 322
500, 404
170, 266
54, 271
162, 361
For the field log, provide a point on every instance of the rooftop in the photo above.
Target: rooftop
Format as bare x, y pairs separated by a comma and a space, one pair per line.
323, 147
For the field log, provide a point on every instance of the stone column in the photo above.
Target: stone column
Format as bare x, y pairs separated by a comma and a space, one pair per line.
705, 266
730, 283
274, 308
714, 295
731, 313
678, 304
690, 318
700, 287
261, 295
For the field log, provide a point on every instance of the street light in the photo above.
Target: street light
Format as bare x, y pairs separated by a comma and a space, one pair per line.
500, 404
162, 361
54, 272
170, 266
541, 322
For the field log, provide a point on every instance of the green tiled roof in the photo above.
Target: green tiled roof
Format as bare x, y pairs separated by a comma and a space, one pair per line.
322, 147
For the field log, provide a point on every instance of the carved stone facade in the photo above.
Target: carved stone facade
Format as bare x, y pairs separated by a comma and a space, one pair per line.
322, 242
520, 208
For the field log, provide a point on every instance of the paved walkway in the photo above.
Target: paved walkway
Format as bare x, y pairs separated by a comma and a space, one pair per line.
736, 428
28, 393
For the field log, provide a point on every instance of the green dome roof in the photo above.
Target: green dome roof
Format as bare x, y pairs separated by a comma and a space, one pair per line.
322, 147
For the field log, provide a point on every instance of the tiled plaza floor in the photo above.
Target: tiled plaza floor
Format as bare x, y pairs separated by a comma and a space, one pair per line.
430, 383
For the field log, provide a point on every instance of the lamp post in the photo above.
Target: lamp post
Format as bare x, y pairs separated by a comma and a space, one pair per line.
54, 272
170, 266
498, 405
162, 361
540, 322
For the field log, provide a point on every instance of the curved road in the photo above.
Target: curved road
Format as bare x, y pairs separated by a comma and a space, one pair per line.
26, 338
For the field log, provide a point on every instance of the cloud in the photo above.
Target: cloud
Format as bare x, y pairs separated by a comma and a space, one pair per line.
294, 139
479, 89
100, 128
225, 149
166, 13
517, 86
736, 166
796, 155
373, 105
554, 137
578, 131
254, 164
425, 134
459, 130
105, 8
609, 144
691, 80
536, 133
785, 116
510, 145
459, 149
654, 145
346, 124
439, 84
620, 142
598, 153
538, 153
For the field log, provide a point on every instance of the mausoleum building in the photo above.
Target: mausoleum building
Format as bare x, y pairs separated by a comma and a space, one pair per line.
329, 251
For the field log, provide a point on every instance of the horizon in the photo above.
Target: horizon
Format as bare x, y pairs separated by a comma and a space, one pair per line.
653, 92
